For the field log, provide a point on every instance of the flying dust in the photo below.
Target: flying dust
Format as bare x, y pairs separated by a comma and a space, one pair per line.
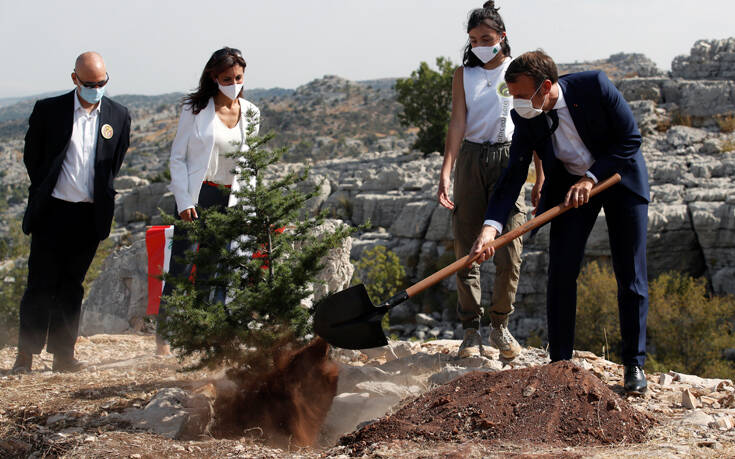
284, 407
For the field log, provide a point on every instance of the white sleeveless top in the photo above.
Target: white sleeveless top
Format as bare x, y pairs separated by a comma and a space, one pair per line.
488, 104
226, 140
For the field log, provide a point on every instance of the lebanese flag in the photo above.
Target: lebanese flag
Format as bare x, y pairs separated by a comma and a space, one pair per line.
158, 242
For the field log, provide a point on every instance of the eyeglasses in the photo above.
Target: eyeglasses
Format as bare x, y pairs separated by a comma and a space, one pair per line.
97, 84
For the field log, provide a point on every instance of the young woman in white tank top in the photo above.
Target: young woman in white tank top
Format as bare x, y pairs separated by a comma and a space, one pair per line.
478, 139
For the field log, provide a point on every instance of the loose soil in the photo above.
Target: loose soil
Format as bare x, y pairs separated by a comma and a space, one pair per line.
287, 405
556, 404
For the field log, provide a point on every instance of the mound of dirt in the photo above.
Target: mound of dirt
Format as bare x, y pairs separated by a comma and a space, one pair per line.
556, 404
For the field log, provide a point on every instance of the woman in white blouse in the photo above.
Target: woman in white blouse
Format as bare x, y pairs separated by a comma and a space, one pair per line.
215, 122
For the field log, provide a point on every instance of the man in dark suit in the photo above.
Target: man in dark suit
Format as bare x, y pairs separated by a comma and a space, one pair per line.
74, 147
583, 131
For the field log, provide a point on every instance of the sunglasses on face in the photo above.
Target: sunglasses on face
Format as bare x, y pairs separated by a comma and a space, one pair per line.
96, 84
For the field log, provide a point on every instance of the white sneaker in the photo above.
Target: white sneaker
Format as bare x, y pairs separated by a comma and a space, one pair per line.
501, 338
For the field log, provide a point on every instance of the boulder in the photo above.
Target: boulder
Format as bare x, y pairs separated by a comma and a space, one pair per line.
119, 295
440, 225
172, 413
413, 219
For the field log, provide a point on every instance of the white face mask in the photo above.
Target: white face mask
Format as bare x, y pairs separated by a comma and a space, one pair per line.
487, 53
525, 108
231, 91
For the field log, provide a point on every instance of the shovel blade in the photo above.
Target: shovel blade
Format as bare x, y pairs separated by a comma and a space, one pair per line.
348, 319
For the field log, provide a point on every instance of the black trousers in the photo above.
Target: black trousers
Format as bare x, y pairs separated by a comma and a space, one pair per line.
62, 248
626, 215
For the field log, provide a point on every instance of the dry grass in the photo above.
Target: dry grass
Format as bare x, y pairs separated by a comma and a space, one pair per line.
727, 145
680, 119
726, 123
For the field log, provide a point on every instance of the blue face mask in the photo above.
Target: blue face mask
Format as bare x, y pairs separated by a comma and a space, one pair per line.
91, 95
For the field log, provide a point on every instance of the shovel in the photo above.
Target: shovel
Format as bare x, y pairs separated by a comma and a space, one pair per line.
348, 319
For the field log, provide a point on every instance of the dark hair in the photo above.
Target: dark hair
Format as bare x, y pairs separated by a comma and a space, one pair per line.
535, 64
489, 16
221, 60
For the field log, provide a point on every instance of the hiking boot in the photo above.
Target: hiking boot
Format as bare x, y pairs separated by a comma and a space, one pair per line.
471, 344
23, 363
501, 338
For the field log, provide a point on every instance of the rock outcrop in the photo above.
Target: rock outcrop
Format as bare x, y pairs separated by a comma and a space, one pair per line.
708, 60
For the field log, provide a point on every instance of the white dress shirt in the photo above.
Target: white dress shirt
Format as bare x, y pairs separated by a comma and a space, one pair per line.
76, 180
568, 145
568, 148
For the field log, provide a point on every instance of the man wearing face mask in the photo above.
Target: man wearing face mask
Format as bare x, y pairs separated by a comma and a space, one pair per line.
74, 147
583, 131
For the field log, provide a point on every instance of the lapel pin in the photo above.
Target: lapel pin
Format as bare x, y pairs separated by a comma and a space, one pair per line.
575, 105
106, 131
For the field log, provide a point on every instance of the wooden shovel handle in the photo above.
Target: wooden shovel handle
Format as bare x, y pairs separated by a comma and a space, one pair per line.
530, 225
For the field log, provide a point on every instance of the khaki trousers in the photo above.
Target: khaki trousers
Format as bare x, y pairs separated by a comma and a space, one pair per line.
477, 170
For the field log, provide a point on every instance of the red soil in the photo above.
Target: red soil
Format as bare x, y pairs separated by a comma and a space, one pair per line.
557, 404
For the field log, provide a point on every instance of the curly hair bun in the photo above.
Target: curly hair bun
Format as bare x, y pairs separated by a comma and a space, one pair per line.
490, 4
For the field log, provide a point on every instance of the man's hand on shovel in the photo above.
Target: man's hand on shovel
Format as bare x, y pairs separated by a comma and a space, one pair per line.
479, 252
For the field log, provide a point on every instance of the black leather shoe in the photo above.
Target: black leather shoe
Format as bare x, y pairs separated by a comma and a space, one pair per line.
635, 380
22, 363
67, 363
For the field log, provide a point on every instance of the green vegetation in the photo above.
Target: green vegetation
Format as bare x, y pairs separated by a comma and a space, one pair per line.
426, 97
264, 294
14, 250
688, 329
382, 273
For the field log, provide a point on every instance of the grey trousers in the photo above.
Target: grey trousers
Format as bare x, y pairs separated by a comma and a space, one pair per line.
477, 170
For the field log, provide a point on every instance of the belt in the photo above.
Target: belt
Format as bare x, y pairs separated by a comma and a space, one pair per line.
214, 184
495, 151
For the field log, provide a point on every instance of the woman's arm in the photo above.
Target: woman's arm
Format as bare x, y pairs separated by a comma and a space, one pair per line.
178, 165
455, 134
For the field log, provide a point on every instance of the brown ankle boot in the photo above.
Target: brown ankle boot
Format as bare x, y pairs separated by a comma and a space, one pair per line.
23, 363
67, 362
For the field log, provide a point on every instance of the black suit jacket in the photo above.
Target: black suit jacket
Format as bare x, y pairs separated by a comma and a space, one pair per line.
49, 132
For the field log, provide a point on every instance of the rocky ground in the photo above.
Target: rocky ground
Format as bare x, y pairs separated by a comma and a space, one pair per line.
130, 403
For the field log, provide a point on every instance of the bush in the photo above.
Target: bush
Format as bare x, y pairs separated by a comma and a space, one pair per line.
688, 329
726, 122
14, 249
426, 97
598, 326
382, 273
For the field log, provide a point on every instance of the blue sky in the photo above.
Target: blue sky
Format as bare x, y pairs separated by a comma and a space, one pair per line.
153, 47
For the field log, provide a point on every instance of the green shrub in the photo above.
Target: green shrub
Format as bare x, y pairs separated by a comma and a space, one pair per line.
382, 273
598, 327
688, 329
14, 249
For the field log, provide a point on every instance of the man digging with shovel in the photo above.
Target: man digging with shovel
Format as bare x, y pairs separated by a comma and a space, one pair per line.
587, 133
